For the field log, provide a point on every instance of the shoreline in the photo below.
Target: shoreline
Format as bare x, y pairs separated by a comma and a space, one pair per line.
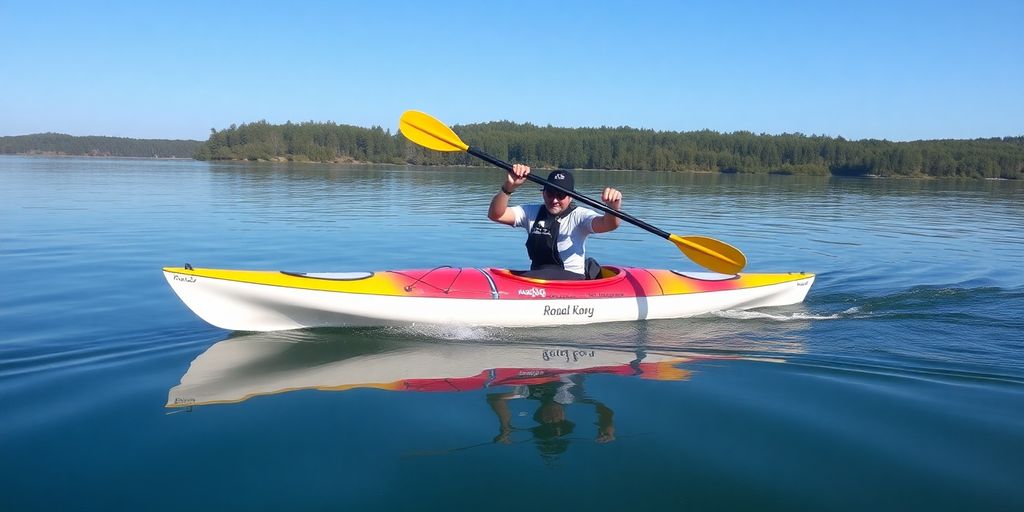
281, 160
106, 157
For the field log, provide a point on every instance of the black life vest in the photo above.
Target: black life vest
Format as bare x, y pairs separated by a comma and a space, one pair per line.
542, 243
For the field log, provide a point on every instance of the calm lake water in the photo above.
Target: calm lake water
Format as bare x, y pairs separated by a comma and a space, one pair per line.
898, 384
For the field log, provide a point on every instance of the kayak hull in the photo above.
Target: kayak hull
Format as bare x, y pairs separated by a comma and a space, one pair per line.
271, 301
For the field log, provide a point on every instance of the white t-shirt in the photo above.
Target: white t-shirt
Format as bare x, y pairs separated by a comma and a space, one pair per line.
573, 230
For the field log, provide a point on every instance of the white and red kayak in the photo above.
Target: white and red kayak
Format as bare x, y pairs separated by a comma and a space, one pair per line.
245, 300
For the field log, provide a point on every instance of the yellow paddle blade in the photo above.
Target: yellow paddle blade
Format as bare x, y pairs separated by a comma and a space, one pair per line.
714, 255
428, 132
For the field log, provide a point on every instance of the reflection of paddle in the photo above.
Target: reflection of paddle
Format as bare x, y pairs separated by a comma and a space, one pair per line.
707, 252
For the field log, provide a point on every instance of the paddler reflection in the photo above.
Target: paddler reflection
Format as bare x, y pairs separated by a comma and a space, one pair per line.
552, 428
555, 390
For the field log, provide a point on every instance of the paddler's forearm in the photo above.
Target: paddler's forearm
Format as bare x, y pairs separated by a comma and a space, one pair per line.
605, 223
612, 198
498, 211
499, 203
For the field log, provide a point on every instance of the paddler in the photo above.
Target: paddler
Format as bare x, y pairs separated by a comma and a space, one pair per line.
562, 257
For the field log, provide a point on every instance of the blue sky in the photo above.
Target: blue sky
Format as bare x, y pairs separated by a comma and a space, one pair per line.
859, 69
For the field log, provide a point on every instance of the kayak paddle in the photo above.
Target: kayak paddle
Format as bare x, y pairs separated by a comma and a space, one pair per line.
709, 253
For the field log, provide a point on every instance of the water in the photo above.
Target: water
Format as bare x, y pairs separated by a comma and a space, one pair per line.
898, 384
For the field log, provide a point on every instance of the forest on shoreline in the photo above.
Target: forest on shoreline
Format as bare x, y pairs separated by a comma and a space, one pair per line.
627, 148
69, 145
569, 148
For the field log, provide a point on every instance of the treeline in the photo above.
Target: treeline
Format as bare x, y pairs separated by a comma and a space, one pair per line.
61, 144
628, 148
317, 142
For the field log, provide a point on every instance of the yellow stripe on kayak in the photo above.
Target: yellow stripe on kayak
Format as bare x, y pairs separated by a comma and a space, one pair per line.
380, 283
674, 284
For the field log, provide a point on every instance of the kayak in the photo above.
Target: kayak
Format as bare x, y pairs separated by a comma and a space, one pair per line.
243, 367
247, 300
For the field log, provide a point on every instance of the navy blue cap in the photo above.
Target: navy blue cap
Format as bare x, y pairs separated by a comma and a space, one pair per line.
563, 179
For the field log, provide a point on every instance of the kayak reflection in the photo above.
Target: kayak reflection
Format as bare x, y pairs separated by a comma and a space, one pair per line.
242, 367
529, 385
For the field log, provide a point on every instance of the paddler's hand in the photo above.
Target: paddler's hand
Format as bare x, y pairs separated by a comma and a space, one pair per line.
516, 177
612, 198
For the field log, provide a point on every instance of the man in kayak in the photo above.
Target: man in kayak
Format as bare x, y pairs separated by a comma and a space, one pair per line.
561, 256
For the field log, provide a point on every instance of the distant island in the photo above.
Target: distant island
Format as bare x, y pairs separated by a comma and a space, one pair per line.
569, 148
69, 145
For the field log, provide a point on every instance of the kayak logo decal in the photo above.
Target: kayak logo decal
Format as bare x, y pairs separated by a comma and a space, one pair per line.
533, 292
184, 279
570, 309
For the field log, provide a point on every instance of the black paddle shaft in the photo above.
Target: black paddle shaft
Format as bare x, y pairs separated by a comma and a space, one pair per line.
579, 197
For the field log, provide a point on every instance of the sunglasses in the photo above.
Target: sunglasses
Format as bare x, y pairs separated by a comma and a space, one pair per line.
557, 194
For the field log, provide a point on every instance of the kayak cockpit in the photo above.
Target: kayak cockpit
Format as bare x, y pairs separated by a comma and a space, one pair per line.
608, 275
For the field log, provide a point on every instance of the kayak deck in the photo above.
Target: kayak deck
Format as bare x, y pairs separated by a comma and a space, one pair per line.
272, 300
486, 283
